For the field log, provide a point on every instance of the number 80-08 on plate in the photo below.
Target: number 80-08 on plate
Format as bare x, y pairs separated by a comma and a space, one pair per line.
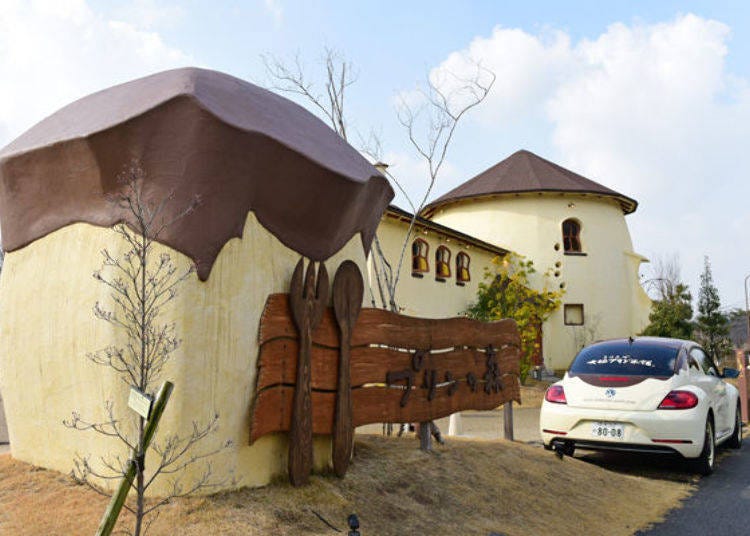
608, 430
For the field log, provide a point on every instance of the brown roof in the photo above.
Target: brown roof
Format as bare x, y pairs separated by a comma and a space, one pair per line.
405, 216
525, 172
239, 147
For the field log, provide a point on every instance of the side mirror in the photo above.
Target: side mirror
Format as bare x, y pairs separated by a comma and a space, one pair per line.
730, 373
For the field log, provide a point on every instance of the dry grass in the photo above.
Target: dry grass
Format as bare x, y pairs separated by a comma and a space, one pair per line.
468, 487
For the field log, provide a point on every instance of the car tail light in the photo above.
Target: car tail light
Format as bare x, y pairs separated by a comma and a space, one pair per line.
679, 400
556, 394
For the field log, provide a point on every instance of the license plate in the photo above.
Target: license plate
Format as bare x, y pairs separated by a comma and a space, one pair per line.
608, 430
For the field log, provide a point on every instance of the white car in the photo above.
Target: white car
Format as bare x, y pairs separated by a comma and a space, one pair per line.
646, 394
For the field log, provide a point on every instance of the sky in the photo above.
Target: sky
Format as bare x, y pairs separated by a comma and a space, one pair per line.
651, 99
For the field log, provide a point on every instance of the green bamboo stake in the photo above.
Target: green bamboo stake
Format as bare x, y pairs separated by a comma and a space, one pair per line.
118, 499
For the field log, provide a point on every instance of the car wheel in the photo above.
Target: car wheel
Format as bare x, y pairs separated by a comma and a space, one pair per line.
704, 464
735, 441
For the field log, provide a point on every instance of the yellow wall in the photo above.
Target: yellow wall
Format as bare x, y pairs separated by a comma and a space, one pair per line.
605, 280
426, 297
46, 328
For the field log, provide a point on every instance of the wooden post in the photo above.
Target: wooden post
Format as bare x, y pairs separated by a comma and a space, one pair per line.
425, 436
107, 523
742, 384
508, 420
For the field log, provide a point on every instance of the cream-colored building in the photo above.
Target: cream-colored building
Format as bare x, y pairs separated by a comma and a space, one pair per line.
275, 184
568, 224
441, 268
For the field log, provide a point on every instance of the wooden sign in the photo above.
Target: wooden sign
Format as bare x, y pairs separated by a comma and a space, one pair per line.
402, 369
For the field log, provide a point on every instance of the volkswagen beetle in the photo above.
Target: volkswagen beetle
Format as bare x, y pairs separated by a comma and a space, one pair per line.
647, 394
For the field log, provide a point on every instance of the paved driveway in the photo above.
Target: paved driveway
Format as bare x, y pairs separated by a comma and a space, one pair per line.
491, 424
720, 506
487, 425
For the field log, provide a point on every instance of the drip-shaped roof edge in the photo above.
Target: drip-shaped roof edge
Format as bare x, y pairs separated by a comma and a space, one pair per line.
195, 132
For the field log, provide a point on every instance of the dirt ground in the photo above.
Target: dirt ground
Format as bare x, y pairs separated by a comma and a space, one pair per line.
467, 487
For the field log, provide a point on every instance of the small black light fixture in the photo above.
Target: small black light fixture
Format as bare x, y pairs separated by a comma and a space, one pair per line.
353, 522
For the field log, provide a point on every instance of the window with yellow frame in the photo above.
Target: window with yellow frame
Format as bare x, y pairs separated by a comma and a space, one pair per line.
463, 274
442, 263
419, 251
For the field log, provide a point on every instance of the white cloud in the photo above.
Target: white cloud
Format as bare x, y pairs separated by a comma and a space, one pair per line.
55, 51
276, 10
647, 109
526, 67
149, 13
641, 105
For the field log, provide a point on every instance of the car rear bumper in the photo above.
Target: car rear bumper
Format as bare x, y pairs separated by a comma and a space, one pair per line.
582, 444
658, 431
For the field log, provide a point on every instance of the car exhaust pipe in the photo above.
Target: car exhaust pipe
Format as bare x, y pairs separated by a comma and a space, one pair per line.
563, 448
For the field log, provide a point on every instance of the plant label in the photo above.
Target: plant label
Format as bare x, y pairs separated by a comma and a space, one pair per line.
140, 402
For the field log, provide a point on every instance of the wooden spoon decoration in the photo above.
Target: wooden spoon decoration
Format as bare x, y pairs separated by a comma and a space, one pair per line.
308, 302
348, 289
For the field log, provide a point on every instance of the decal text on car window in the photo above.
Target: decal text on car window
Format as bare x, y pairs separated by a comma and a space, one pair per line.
621, 360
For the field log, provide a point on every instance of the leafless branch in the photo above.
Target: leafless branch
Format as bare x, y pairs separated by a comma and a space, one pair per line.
339, 75
141, 283
665, 277
443, 111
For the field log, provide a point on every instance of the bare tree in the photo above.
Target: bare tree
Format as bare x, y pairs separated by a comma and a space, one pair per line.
665, 277
671, 309
437, 115
141, 284
430, 127
339, 75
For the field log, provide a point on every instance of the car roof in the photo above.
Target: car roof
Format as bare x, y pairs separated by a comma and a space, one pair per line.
664, 342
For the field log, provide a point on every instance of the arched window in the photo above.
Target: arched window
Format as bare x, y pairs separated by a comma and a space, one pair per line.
462, 268
442, 263
419, 251
571, 231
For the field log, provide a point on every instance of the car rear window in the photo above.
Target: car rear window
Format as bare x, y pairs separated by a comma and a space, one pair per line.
626, 359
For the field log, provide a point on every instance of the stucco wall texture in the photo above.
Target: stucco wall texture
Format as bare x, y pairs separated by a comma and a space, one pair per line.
47, 328
605, 280
426, 296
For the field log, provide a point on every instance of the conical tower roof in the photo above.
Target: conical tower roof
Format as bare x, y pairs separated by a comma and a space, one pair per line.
525, 172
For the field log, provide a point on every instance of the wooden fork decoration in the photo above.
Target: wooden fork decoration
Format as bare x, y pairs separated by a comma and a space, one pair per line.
308, 302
